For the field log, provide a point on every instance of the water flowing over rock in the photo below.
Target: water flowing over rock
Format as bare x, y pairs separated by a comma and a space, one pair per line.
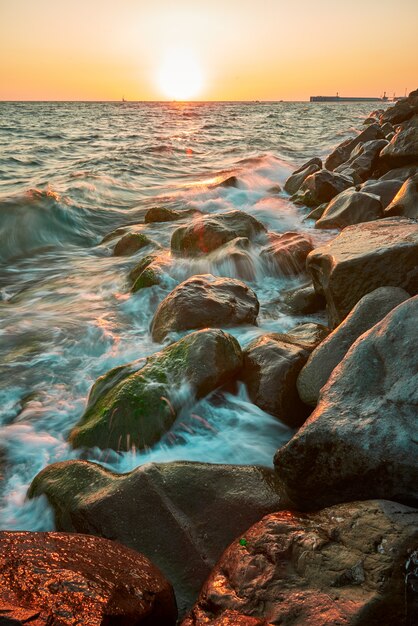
363, 257
343, 151
205, 301
68, 579
131, 243
286, 254
235, 257
406, 200
209, 232
135, 405
350, 207
361, 441
294, 181
181, 515
368, 311
403, 148
323, 186
271, 366
344, 566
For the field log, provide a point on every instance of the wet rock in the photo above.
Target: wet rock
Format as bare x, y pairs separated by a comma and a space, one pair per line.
150, 277
316, 213
205, 301
344, 566
304, 300
209, 232
271, 366
231, 181
163, 214
66, 579
361, 440
362, 160
131, 243
115, 233
136, 404
370, 310
350, 207
323, 186
235, 259
401, 111
400, 173
181, 515
386, 190
294, 181
403, 148
406, 200
362, 258
343, 151
141, 266
286, 255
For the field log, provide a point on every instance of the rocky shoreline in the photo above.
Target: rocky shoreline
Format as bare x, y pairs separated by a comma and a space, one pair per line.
330, 536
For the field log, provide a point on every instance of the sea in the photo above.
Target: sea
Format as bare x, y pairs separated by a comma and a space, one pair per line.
71, 173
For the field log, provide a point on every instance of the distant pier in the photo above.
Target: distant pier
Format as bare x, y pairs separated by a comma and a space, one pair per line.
338, 98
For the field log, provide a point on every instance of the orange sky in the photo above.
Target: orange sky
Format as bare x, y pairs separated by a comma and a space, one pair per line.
242, 49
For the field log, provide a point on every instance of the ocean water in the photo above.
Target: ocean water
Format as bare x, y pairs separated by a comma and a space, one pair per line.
70, 173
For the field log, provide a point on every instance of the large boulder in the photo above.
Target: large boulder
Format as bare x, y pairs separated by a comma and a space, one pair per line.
403, 148
346, 566
362, 160
361, 440
271, 366
294, 181
135, 405
350, 207
206, 233
205, 301
56, 578
342, 152
286, 254
363, 257
401, 111
323, 186
368, 311
386, 190
406, 200
181, 515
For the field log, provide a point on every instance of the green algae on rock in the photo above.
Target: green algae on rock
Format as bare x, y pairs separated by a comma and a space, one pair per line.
134, 405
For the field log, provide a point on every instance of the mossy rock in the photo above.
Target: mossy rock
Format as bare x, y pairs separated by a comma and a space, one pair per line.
148, 278
141, 266
131, 243
134, 405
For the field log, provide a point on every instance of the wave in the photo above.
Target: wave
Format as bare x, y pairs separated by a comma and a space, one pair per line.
38, 219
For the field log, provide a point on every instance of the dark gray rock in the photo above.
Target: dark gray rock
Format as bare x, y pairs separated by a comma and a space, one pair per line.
370, 310
181, 515
403, 148
400, 173
386, 190
304, 300
362, 160
343, 566
343, 151
164, 214
205, 301
363, 257
294, 181
350, 207
131, 243
361, 440
323, 186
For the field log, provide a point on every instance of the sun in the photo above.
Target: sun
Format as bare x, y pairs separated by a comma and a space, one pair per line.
180, 76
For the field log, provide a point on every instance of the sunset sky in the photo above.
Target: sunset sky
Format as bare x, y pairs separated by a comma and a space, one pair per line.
206, 49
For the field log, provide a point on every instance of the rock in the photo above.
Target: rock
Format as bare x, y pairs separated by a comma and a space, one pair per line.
209, 232
350, 207
400, 173
134, 405
370, 310
151, 276
287, 253
362, 160
323, 186
343, 151
344, 566
362, 258
403, 148
406, 201
131, 243
294, 181
69, 579
163, 214
205, 301
370, 120
271, 366
231, 181
141, 266
386, 190
115, 233
360, 442
235, 259
181, 515
387, 129
304, 300
401, 112
316, 213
